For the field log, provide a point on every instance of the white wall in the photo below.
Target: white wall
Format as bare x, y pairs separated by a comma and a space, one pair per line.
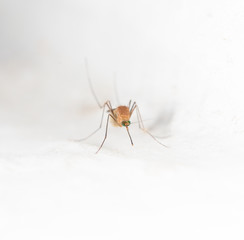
182, 61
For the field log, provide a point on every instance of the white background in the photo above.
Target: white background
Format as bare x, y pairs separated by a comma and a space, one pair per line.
182, 61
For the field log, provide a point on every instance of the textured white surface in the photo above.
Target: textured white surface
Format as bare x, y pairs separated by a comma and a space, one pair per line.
183, 64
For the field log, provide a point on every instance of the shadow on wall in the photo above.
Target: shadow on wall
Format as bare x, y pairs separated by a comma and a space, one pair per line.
163, 122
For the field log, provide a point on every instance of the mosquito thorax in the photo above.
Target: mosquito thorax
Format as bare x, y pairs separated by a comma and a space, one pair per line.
126, 123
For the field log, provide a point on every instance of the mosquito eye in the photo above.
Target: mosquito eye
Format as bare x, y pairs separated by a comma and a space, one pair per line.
126, 123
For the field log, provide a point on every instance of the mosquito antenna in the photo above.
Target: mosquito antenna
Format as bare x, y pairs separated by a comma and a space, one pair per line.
90, 84
129, 136
116, 89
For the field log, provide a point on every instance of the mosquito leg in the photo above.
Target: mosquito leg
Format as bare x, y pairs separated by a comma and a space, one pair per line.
110, 105
141, 126
129, 104
106, 133
141, 123
100, 126
132, 108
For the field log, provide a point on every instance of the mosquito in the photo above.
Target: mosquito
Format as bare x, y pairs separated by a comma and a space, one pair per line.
119, 116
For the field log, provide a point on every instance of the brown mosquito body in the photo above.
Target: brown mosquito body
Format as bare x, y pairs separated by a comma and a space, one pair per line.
122, 115
119, 116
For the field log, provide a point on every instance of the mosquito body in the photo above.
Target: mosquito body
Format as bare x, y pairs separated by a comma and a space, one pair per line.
122, 116
119, 117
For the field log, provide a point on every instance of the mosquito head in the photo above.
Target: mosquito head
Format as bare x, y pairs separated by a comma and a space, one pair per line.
126, 123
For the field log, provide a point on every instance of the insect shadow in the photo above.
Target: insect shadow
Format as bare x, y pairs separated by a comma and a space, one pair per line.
163, 122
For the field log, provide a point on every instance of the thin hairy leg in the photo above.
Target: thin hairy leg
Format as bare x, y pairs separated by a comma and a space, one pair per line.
141, 125
106, 132
106, 104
